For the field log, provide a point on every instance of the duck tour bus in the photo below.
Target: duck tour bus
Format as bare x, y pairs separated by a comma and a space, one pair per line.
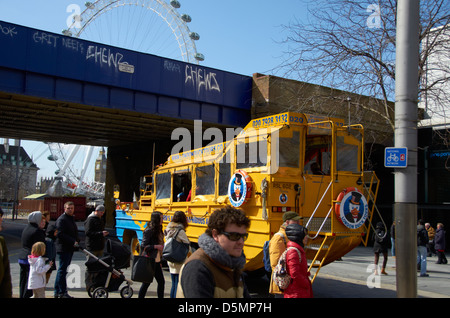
308, 164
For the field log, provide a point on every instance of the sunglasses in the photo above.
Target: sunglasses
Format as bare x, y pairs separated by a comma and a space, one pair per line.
234, 236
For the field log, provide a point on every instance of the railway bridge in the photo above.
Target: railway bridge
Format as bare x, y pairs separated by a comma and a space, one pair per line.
55, 88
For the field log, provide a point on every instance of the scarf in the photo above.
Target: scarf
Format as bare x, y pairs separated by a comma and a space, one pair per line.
218, 254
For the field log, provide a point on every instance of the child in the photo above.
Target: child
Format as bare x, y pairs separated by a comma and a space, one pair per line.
297, 267
38, 269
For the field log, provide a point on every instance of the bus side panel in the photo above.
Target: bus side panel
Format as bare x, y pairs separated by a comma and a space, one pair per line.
126, 222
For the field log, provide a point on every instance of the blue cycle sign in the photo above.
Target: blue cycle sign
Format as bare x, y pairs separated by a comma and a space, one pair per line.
395, 157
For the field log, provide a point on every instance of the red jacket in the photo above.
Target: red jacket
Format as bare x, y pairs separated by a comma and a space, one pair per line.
300, 286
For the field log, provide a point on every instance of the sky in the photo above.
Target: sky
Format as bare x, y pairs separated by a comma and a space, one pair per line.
239, 36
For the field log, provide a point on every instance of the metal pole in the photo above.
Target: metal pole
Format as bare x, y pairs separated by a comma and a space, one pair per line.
406, 92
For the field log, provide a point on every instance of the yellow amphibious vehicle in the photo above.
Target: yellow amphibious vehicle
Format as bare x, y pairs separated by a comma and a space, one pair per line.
286, 162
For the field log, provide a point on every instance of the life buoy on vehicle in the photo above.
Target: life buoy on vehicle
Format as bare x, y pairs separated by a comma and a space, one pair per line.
351, 208
239, 188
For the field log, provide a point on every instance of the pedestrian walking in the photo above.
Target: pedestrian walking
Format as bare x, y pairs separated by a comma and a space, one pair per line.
296, 263
430, 245
381, 245
439, 244
31, 234
215, 269
422, 241
392, 233
176, 227
94, 227
38, 269
50, 248
152, 246
67, 242
277, 246
5, 268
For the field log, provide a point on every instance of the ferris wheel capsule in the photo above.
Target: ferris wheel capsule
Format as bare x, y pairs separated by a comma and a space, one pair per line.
186, 18
176, 4
89, 5
66, 32
199, 57
194, 36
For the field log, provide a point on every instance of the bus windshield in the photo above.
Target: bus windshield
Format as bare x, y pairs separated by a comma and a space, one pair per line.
348, 150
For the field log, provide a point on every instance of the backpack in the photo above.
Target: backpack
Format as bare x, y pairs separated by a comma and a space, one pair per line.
280, 275
266, 254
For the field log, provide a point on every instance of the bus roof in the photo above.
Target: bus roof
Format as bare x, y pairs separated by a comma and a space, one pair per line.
211, 152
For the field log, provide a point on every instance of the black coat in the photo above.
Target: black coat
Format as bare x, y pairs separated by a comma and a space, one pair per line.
67, 233
30, 235
93, 227
150, 238
422, 236
382, 240
439, 240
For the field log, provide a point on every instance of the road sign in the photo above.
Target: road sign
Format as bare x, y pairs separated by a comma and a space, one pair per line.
395, 157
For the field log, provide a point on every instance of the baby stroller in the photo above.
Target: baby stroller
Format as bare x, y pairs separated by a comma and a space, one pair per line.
103, 275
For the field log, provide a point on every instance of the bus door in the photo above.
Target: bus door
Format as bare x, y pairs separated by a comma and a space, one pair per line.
317, 170
288, 186
182, 184
349, 151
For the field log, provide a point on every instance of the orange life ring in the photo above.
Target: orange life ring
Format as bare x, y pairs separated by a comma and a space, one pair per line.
351, 208
337, 206
240, 188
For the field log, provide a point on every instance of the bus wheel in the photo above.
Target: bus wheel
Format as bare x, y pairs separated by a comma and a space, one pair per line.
135, 247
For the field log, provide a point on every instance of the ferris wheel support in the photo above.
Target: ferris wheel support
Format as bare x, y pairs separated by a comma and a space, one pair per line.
66, 175
68, 161
86, 161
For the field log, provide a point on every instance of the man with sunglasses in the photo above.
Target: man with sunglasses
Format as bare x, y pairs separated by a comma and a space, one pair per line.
215, 269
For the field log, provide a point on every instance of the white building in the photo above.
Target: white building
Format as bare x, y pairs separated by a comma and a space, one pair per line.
436, 100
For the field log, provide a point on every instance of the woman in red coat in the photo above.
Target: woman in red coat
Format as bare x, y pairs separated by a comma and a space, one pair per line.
297, 267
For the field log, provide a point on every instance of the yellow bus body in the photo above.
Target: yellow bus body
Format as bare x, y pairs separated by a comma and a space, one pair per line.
281, 180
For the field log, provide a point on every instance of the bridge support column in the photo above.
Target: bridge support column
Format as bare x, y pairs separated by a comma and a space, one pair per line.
125, 167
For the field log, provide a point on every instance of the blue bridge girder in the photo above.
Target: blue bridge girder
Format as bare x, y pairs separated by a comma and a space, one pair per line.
57, 88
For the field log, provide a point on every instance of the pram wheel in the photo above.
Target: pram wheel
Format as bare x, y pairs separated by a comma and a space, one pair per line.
100, 292
126, 292
90, 291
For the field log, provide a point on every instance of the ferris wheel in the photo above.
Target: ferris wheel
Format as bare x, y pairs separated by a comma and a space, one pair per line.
73, 162
148, 26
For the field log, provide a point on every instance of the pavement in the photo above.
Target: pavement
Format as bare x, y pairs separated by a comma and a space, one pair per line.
354, 277
350, 278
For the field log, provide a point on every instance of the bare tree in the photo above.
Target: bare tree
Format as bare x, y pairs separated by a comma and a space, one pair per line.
350, 45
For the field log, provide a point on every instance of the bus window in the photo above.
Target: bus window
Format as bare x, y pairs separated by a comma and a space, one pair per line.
251, 154
347, 155
181, 186
224, 178
317, 155
289, 151
163, 185
204, 180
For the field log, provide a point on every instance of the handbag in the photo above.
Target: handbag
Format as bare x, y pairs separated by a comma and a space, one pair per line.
143, 269
174, 251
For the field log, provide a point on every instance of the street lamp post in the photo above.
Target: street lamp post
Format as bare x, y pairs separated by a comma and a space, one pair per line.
406, 92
